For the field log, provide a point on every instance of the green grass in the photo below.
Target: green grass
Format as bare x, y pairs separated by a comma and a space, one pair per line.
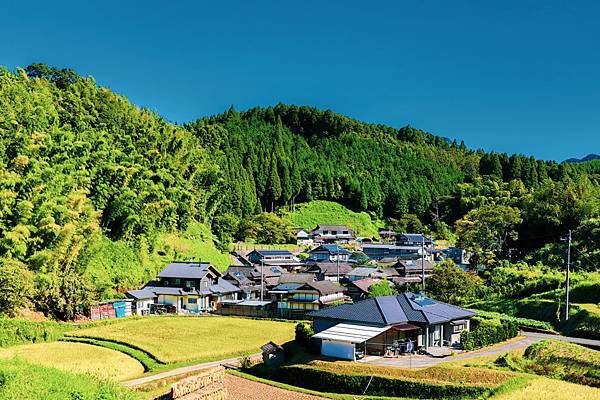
78, 358
196, 243
540, 388
22, 380
14, 331
309, 215
172, 339
532, 323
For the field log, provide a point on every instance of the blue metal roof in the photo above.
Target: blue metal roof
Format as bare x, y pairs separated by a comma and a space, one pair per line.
285, 287
185, 270
332, 249
274, 252
390, 310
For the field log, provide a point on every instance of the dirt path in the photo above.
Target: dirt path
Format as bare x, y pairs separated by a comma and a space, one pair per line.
244, 389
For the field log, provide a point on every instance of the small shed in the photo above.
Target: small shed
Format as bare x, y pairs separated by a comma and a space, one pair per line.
273, 354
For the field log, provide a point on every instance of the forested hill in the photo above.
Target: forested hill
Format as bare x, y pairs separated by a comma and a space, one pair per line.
89, 184
278, 155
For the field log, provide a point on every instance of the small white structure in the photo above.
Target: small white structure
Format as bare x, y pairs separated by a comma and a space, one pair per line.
340, 341
303, 238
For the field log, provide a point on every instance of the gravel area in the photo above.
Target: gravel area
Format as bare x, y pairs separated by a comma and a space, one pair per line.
244, 389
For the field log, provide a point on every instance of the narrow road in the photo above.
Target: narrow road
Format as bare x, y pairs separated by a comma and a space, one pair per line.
421, 361
180, 371
581, 341
245, 389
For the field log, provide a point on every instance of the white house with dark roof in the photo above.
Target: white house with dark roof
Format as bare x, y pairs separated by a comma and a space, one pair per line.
188, 287
388, 325
332, 234
330, 253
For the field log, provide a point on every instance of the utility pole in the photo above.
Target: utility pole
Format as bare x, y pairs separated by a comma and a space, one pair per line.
262, 280
337, 260
423, 263
567, 281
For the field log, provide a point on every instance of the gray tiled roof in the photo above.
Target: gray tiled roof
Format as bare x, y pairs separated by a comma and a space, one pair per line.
332, 249
184, 270
140, 294
389, 310
223, 286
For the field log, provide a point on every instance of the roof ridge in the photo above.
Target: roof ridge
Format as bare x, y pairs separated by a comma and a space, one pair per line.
380, 310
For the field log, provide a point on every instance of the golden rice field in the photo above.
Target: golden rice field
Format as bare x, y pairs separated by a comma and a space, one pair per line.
550, 389
174, 339
78, 358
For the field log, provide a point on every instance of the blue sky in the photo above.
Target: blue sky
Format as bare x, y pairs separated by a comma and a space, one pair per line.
511, 76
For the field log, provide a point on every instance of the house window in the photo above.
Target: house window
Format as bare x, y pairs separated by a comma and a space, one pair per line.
458, 328
192, 300
189, 284
177, 281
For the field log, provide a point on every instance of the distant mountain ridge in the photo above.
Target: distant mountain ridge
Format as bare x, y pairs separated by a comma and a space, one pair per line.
589, 157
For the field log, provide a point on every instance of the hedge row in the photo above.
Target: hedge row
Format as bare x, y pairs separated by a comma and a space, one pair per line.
15, 331
532, 323
485, 332
332, 382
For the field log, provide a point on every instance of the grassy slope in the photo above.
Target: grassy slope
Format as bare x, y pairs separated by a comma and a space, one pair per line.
21, 380
117, 263
309, 215
178, 339
78, 358
14, 331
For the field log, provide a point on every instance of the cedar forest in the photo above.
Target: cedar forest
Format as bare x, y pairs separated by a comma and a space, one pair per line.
83, 169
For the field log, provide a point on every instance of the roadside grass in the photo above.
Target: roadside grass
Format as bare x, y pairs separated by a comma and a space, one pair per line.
101, 362
556, 359
173, 339
309, 215
22, 380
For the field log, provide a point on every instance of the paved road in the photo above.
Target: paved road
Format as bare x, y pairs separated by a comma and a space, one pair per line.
526, 339
584, 342
180, 371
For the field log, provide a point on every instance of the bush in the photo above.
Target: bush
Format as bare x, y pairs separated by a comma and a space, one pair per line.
487, 332
15, 331
526, 322
304, 332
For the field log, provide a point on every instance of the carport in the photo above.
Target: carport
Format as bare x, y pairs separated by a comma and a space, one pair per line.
347, 341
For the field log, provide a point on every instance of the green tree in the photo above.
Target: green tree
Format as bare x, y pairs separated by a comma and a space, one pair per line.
381, 288
16, 286
484, 231
450, 284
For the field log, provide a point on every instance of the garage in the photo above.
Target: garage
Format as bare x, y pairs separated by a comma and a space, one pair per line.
346, 341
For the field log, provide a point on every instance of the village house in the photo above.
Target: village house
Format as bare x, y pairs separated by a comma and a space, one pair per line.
281, 258
295, 299
413, 239
329, 253
303, 237
359, 290
359, 273
329, 271
190, 287
142, 301
332, 234
377, 251
389, 325
414, 269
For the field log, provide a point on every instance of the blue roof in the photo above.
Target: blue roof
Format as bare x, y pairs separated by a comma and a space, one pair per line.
415, 237
390, 310
285, 287
185, 270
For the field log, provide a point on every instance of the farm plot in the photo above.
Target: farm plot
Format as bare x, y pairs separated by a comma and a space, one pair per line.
78, 358
173, 339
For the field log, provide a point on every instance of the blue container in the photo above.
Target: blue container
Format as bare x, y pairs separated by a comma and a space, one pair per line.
119, 307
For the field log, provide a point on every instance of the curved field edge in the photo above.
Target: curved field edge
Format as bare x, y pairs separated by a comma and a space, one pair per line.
186, 340
22, 380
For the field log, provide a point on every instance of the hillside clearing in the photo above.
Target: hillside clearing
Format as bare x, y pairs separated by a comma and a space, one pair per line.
309, 215
180, 339
550, 389
78, 358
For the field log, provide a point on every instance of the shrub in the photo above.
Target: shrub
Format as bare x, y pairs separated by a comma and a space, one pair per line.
304, 332
487, 332
15, 331
526, 322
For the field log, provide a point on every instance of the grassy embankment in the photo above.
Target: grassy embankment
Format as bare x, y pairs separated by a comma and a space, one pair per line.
23, 380
309, 215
